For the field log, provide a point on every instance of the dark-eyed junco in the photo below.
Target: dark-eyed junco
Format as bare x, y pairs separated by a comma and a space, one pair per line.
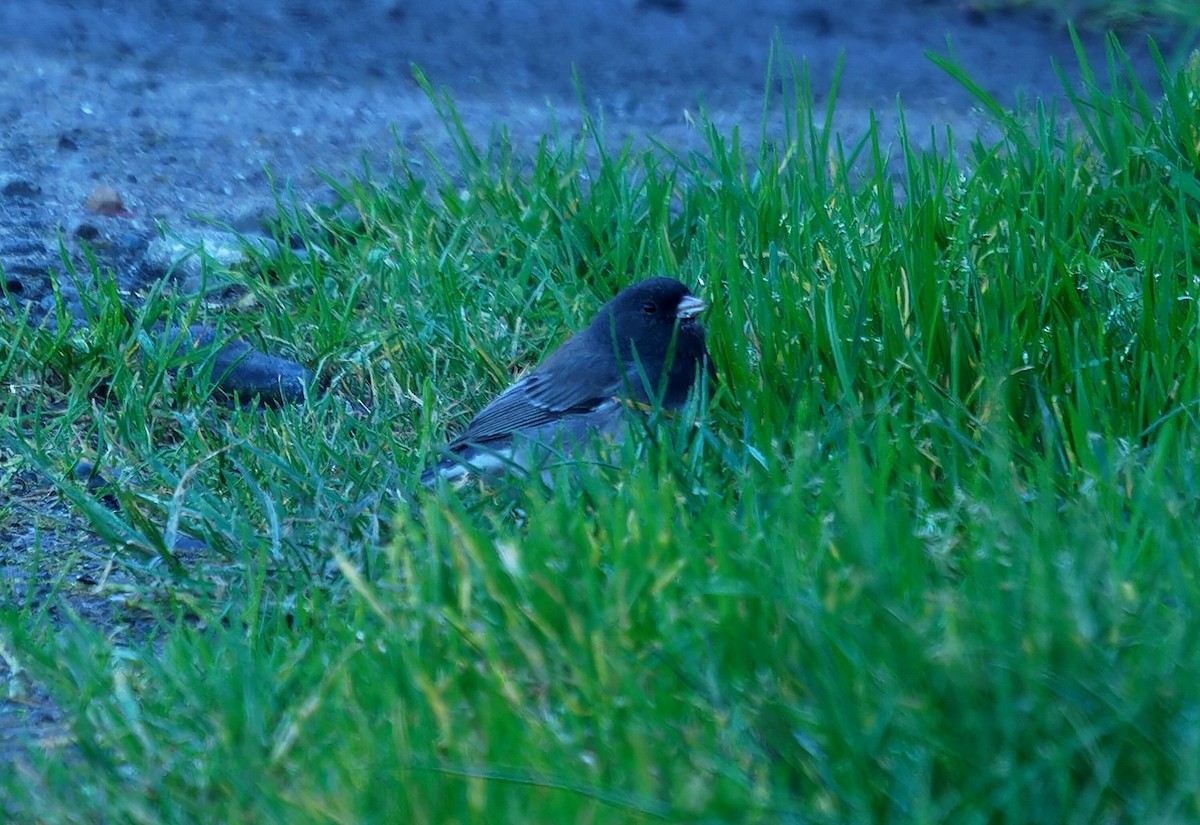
644, 346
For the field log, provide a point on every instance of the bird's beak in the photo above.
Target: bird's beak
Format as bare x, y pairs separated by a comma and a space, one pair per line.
690, 307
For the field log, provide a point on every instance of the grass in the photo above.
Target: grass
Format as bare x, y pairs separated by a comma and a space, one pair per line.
926, 553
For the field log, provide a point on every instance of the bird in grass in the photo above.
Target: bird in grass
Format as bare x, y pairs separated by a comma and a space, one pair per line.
645, 346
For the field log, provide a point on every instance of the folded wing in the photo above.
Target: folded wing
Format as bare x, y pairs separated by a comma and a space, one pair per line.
568, 383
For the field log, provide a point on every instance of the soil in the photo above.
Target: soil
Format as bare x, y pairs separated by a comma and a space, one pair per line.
117, 116
164, 112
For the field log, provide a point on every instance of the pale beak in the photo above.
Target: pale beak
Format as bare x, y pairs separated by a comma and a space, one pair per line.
690, 307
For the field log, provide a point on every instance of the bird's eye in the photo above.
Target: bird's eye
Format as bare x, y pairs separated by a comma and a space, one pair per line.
649, 307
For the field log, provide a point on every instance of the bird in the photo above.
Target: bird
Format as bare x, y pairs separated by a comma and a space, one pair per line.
645, 346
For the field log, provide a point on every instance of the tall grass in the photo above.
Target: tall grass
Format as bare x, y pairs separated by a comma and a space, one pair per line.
925, 552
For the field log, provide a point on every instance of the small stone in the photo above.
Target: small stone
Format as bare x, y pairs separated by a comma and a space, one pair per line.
87, 232
975, 16
192, 259
240, 373
103, 485
105, 200
816, 20
20, 188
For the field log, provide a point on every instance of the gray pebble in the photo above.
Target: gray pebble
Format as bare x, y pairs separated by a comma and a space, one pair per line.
240, 372
192, 259
97, 483
87, 232
19, 188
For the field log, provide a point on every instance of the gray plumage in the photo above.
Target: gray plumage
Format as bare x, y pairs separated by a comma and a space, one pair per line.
644, 345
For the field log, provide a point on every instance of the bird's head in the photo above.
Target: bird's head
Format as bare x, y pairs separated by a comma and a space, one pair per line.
653, 324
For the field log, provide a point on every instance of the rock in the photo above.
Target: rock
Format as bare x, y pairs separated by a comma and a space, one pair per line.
87, 232
14, 286
98, 484
240, 372
105, 200
20, 188
192, 259
815, 20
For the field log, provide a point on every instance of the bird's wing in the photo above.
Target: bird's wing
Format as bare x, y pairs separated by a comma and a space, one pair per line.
570, 382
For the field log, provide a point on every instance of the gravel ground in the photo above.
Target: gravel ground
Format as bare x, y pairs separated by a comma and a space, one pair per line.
180, 109
161, 112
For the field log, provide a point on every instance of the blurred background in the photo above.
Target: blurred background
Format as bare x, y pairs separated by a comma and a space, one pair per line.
206, 107
630, 53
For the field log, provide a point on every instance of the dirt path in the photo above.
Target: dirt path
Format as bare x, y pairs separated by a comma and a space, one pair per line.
182, 107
